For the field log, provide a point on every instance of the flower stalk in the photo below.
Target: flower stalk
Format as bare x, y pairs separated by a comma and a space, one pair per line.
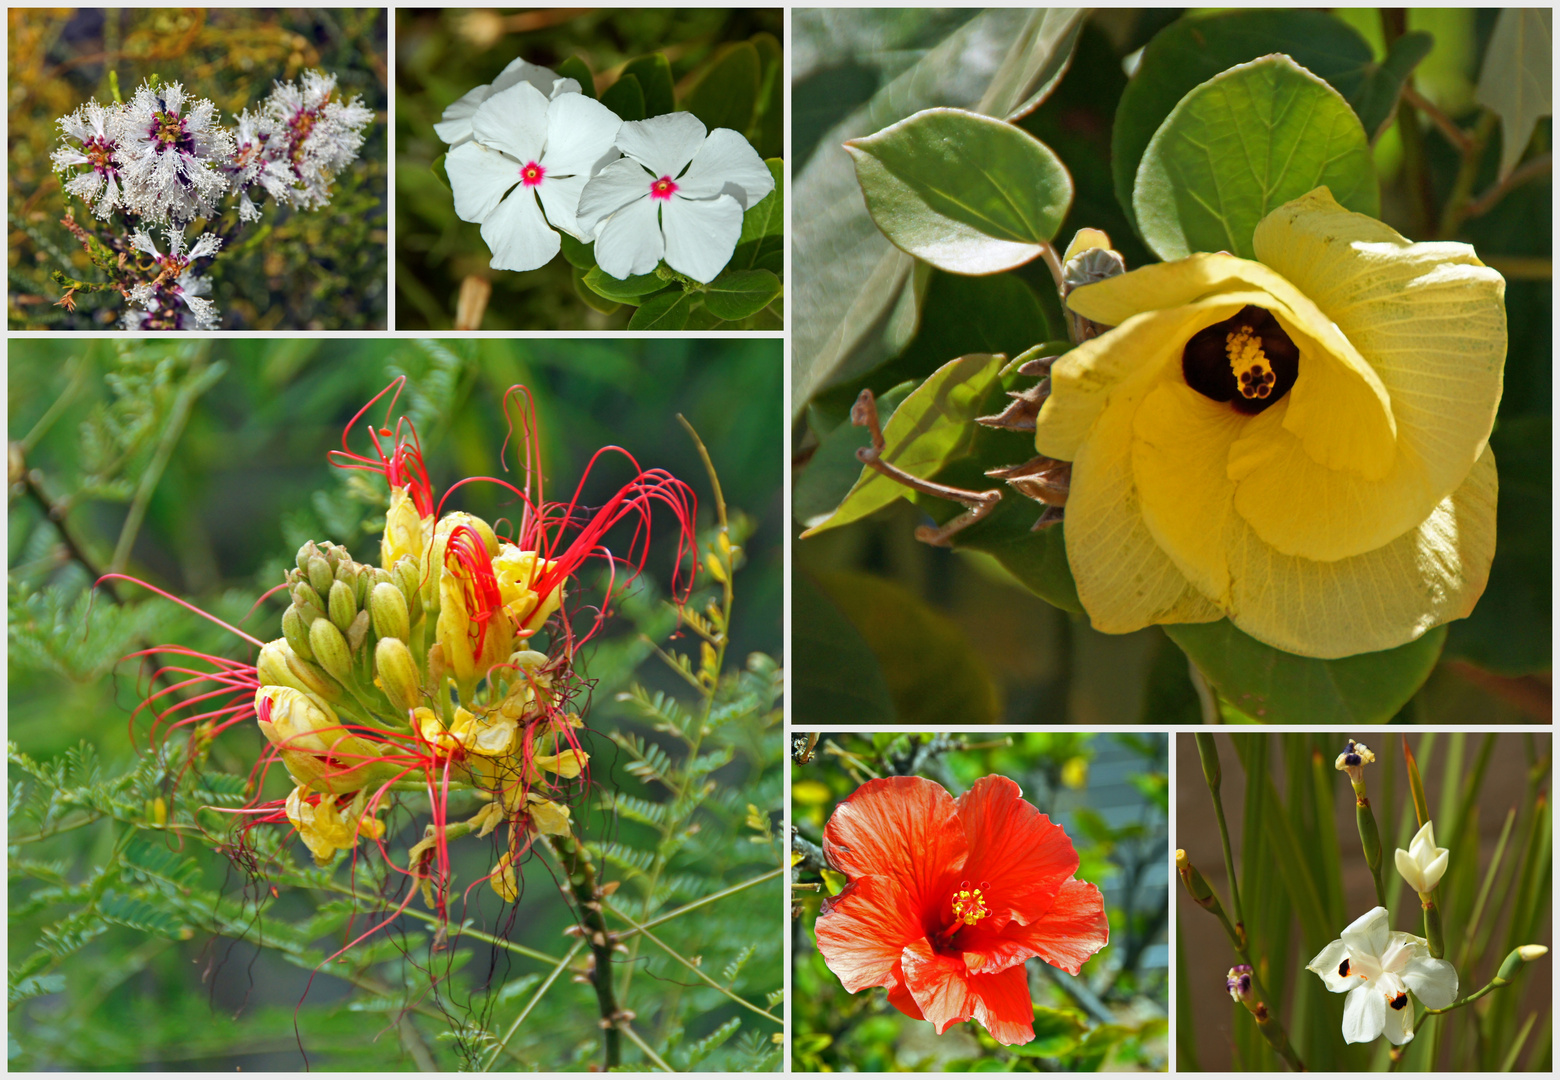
1214, 775
582, 884
1355, 756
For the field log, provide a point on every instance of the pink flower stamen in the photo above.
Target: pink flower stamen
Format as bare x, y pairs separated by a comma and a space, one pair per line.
532, 174
663, 188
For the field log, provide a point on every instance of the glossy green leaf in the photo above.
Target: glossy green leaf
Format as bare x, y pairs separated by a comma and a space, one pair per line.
593, 299
664, 311
1510, 631
934, 674
655, 80
577, 253
932, 425
834, 468
1057, 1032
1195, 48
1281, 688
626, 98
768, 131
767, 216
1053, 39
577, 69
631, 291
964, 192
835, 677
727, 92
1239, 146
737, 294
1517, 79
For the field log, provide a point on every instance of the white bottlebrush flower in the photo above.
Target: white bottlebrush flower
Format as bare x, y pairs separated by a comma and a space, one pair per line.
91, 129
170, 154
1379, 968
455, 125
1423, 863
175, 298
316, 135
538, 153
676, 194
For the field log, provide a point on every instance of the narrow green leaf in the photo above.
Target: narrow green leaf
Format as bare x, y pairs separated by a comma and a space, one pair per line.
1280, 688
664, 311
1239, 146
737, 294
626, 98
935, 422
727, 92
654, 74
1517, 78
964, 192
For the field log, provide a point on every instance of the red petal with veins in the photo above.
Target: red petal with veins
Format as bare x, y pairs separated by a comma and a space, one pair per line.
864, 931
948, 993
1073, 930
1015, 849
903, 827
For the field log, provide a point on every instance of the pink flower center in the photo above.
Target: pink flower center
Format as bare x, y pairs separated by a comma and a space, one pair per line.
663, 188
531, 174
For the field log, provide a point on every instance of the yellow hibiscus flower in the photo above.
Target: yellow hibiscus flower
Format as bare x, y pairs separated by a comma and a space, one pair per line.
1297, 443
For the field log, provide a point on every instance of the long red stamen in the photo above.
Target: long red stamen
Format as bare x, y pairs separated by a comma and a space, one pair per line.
402, 466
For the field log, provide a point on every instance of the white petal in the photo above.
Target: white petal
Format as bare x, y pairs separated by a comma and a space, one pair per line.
1398, 1024
701, 234
1432, 981
629, 242
560, 197
727, 163
479, 177
514, 121
1436, 868
1368, 935
1410, 870
663, 144
1364, 1014
614, 187
580, 134
518, 235
454, 127
1423, 842
1326, 964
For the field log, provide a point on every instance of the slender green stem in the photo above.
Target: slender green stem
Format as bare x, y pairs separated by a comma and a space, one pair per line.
1213, 774
710, 899
644, 1047
1459, 202
558, 969
691, 966
580, 874
431, 920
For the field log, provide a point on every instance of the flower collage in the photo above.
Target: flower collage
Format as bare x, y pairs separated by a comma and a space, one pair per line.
784, 539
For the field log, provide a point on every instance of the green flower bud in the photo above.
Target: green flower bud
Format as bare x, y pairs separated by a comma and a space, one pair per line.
320, 574
296, 629
308, 551
330, 649
408, 577
392, 619
335, 554
1509, 967
342, 605
396, 673
357, 633
363, 585
381, 576
304, 595
279, 665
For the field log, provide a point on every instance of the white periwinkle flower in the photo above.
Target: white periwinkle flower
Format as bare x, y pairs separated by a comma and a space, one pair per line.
676, 194
1379, 968
91, 129
1423, 863
170, 154
538, 153
455, 125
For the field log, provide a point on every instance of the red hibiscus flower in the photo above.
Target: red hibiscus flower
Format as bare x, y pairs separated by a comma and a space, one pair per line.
948, 898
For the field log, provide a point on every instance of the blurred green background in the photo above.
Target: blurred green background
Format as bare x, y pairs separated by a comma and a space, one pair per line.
302, 270
890, 630
203, 464
441, 55
1111, 795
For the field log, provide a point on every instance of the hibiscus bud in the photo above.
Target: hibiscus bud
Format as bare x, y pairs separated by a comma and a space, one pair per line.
342, 605
397, 673
296, 629
330, 649
320, 574
391, 617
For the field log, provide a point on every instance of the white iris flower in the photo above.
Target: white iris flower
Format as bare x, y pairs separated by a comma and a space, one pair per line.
1379, 968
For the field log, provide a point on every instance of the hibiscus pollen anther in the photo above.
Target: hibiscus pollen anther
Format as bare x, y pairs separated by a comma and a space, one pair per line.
969, 906
663, 188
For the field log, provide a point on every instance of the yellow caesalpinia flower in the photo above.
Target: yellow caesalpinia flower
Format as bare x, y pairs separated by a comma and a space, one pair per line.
405, 531
315, 746
1298, 443
321, 826
517, 571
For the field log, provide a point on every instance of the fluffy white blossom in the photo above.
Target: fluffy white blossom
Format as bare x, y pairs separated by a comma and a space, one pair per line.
170, 154
90, 129
455, 125
1379, 968
676, 194
156, 305
528, 156
314, 134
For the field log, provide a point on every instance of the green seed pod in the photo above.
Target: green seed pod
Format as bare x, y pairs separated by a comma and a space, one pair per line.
342, 606
357, 633
296, 629
330, 649
320, 574
396, 673
392, 618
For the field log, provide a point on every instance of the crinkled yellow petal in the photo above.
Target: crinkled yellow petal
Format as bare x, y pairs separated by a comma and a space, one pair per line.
1429, 318
1125, 580
1432, 574
1180, 445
